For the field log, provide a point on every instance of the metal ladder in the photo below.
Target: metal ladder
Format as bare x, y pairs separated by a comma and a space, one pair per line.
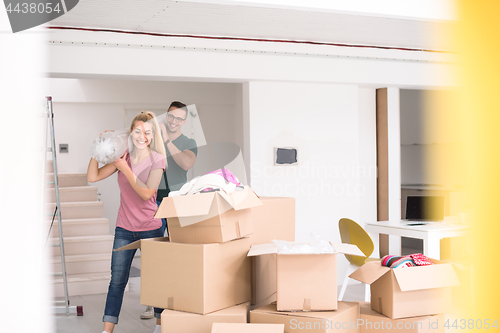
62, 306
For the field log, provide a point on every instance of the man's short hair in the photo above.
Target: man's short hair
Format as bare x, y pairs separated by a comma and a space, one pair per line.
179, 105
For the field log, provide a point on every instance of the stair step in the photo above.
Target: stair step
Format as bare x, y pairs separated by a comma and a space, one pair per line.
83, 284
82, 227
84, 263
69, 179
78, 210
84, 245
49, 167
72, 194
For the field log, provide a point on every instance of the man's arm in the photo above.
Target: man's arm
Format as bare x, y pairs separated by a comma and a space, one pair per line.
185, 159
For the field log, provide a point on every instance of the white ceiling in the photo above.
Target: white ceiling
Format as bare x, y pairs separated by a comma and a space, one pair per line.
416, 9
238, 21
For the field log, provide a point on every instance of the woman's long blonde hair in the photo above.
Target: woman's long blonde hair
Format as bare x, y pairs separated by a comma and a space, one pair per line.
156, 143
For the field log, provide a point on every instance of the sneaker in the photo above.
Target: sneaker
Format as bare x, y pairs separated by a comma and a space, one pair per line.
148, 314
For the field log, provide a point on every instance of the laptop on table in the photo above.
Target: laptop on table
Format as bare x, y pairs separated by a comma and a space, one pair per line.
421, 210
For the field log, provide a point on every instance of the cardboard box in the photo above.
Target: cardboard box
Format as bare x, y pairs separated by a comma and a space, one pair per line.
374, 322
247, 328
185, 322
341, 321
263, 279
305, 282
275, 219
212, 217
264, 302
410, 291
198, 278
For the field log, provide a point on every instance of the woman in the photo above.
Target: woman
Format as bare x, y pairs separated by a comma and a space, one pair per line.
139, 174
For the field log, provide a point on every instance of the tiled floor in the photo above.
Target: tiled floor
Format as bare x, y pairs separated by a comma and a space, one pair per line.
93, 309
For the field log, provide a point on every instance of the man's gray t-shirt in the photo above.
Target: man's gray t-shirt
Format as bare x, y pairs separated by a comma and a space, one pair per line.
175, 175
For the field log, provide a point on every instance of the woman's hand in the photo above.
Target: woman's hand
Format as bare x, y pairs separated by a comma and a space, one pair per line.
121, 163
106, 131
94, 173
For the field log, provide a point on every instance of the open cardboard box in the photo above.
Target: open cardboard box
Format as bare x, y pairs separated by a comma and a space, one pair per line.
198, 278
212, 217
263, 279
374, 322
185, 322
343, 320
305, 282
275, 219
410, 291
247, 328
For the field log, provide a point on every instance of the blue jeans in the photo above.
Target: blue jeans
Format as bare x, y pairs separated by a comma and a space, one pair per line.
163, 222
158, 311
121, 261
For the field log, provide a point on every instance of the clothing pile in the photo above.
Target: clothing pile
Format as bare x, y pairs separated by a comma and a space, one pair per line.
411, 260
218, 180
109, 146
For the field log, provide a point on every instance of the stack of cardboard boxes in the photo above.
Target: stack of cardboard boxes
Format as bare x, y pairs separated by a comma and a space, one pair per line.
201, 275
219, 259
410, 300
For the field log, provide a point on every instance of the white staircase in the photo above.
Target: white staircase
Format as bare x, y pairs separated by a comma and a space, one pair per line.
87, 242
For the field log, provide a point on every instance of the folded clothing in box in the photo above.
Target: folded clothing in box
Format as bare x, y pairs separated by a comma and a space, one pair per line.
409, 291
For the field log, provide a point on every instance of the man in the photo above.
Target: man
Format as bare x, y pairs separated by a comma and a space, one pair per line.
181, 150
181, 155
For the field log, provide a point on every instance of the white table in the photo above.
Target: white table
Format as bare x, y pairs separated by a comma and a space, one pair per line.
431, 234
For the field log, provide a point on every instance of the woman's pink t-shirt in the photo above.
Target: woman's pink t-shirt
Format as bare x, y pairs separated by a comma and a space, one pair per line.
134, 213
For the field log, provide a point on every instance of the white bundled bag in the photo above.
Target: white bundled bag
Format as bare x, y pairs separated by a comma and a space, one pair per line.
110, 146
